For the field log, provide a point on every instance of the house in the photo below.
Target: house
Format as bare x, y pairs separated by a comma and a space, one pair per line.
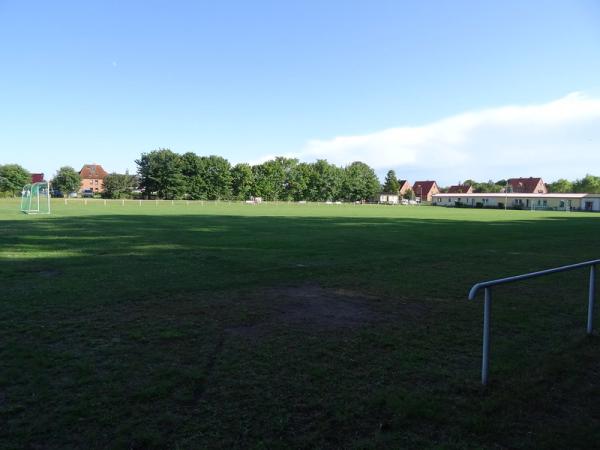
512, 200
92, 177
37, 177
527, 186
425, 190
390, 199
460, 189
404, 186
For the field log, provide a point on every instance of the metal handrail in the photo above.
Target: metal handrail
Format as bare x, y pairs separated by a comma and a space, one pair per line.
487, 286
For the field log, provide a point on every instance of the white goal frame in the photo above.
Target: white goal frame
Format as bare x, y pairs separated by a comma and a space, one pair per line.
31, 206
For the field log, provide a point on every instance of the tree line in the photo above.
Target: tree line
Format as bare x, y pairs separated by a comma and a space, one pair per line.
165, 174
169, 175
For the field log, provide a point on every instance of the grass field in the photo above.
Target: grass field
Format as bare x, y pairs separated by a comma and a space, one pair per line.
303, 326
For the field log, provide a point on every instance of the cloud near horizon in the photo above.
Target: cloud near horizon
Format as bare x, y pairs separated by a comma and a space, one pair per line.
560, 138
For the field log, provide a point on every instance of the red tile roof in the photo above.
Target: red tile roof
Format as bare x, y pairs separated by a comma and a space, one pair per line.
37, 177
423, 188
93, 171
525, 185
460, 189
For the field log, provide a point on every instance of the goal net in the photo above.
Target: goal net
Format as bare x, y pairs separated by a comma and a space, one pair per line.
35, 198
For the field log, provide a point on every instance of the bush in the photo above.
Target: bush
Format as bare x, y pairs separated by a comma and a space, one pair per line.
478, 205
500, 205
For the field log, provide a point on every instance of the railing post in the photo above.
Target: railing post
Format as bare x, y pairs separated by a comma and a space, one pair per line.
592, 289
485, 362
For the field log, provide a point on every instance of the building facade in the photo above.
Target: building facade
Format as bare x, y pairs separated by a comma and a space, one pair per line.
425, 190
552, 201
92, 178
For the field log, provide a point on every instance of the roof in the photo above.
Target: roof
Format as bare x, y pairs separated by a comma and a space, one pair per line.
524, 184
460, 189
425, 187
402, 182
37, 177
92, 171
518, 195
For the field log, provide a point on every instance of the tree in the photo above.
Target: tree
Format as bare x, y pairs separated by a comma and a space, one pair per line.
66, 180
391, 185
193, 170
272, 178
13, 178
409, 194
489, 187
588, 184
118, 185
560, 185
360, 182
298, 181
160, 174
325, 181
242, 181
217, 176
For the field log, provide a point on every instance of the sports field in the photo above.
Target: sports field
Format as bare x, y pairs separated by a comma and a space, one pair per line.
292, 326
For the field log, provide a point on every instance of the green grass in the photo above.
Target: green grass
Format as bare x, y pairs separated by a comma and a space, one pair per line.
277, 326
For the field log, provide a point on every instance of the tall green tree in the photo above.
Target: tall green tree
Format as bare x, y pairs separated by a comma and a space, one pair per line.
298, 181
217, 175
560, 185
193, 170
391, 185
589, 184
325, 181
242, 181
13, 178
360, 182
66, 180
160, 173
118, 185
272, 178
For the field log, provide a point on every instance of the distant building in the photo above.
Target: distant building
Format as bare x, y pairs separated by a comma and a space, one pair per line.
92, 177
425, 190
535, 201
404, 186
460, 189
37, 177
529, 185
391, 199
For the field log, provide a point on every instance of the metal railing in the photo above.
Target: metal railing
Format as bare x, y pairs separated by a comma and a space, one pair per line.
487, 286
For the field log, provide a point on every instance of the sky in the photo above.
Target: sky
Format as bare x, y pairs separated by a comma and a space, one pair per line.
445, 90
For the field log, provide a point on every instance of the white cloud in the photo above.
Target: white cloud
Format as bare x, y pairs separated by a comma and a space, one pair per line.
560, 138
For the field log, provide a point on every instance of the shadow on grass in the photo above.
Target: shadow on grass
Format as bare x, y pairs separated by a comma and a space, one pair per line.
133, 331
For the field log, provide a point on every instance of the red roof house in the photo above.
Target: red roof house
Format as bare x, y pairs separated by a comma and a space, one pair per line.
527, 185
37, 177
92, 177
404, 186
425, 189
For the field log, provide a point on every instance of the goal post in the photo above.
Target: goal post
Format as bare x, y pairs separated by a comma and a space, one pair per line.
35, 198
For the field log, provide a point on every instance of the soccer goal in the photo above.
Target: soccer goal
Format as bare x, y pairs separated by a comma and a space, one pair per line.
35, 198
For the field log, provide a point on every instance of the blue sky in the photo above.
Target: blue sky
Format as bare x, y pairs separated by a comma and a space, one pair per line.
433, 89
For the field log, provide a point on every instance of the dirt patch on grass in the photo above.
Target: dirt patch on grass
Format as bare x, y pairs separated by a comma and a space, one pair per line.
49, 273
315, 308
